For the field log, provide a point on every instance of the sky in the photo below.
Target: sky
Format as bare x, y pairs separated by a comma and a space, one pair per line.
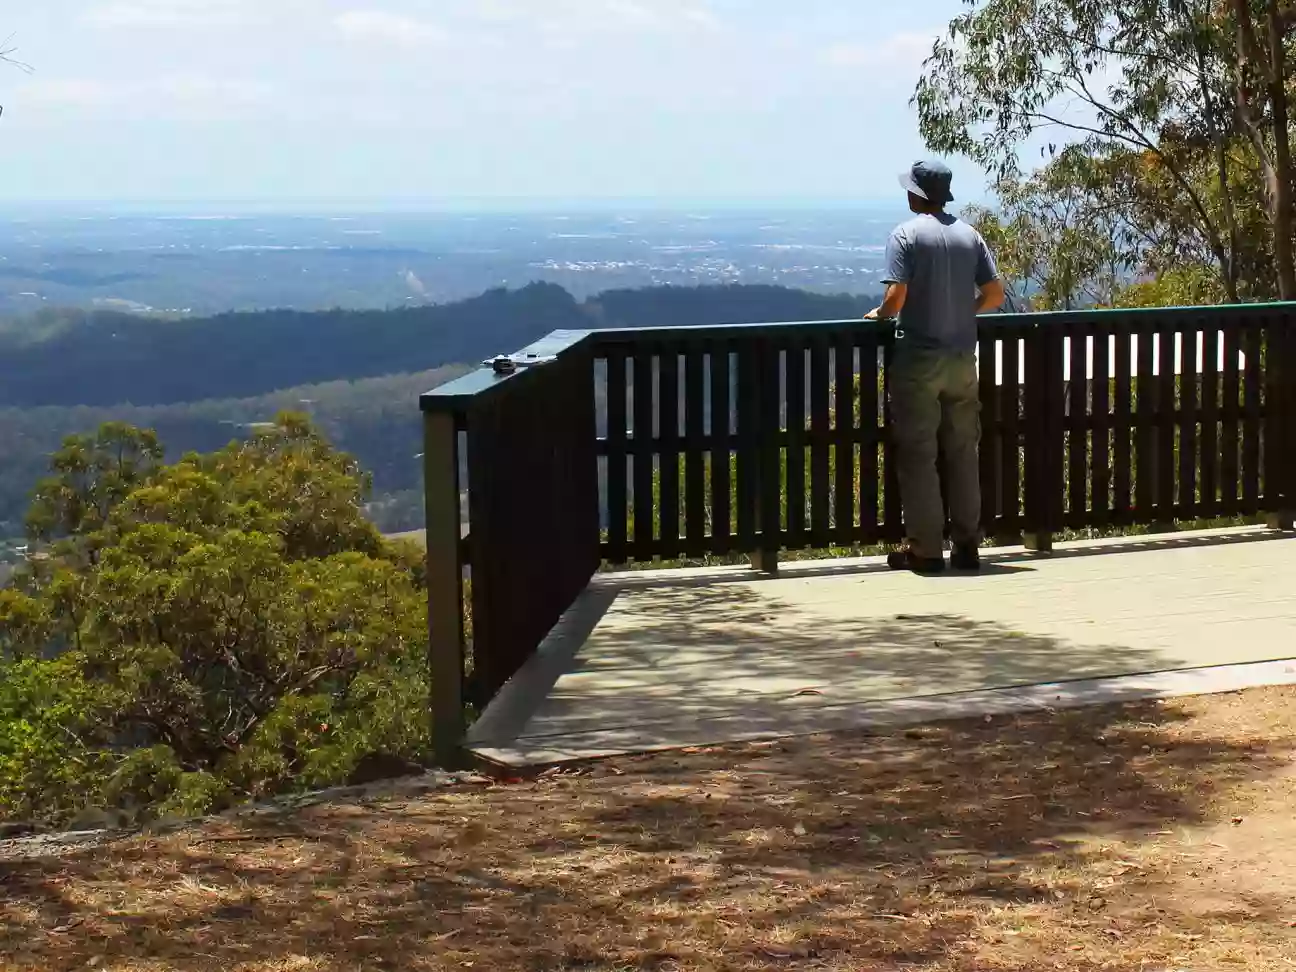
467, 101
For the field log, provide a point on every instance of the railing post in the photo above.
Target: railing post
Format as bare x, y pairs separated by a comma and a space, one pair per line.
1043, 446
444, 584
1280, 434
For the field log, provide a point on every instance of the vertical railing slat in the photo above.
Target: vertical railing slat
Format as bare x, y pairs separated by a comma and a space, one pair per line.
844, 438
643, 449
1166, 420
668, 462
1010, 434
721, 458
1188, 378
795, 423
748, 446
1145, 433
1100, 423
1122, 429
892, 511
1230, 416
1251, 419
695, 449
1210, 461
1077, 405
869, 435
993, 443
819, 441
618, 506
769, 514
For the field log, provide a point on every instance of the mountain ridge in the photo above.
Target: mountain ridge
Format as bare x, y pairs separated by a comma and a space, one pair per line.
110, 358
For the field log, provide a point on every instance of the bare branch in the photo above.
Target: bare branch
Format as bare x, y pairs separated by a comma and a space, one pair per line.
7, 52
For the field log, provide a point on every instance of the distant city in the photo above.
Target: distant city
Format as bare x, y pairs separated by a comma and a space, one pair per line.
201, 262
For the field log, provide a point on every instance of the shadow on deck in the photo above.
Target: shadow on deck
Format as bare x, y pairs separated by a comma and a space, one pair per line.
669, 659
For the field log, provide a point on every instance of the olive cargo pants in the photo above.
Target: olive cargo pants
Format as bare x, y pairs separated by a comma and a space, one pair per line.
936, 411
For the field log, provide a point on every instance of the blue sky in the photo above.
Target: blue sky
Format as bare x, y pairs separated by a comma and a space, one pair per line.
426, 100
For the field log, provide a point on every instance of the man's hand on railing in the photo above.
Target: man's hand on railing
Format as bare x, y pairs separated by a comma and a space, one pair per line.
892, 302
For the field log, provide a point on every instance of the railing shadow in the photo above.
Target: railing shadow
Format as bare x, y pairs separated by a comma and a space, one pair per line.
726, 661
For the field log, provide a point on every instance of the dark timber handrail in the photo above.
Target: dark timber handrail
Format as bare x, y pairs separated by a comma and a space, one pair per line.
667, 442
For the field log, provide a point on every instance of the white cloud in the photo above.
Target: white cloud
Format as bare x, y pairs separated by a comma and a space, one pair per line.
81, 92
389, 28
174, 96
597, 16
661, 14
138, 14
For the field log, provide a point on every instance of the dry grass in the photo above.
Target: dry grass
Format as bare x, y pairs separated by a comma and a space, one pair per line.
1146, 837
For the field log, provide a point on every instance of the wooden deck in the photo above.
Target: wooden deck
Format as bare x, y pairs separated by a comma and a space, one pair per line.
668, 659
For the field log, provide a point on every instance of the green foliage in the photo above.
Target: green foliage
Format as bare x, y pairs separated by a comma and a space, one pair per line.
1058, 243
92, 474
1171, 165
1119, 71
371, 419
223, 627
51, 755
1189, 287
26, 625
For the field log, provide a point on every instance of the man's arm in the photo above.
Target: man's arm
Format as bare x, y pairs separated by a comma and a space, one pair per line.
991, 297
899, 271
891, 303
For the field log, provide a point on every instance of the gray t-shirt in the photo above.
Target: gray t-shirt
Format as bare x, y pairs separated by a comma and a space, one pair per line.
943, 261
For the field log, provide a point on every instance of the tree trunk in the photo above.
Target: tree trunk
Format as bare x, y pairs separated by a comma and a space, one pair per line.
1268, 62
1281, 191
1227, 259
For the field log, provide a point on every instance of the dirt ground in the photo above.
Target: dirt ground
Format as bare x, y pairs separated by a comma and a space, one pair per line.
1148, 837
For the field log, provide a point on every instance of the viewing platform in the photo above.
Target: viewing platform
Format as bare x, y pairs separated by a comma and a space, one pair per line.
659, 446
670, 659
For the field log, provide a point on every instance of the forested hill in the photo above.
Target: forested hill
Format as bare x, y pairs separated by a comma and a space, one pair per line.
96, 358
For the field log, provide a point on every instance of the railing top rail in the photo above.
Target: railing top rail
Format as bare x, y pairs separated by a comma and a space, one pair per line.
602, 336
474, 387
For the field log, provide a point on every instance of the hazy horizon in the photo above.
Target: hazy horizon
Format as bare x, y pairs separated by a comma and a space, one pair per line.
540, 206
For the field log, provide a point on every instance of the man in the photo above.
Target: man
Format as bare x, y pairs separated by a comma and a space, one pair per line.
939, 276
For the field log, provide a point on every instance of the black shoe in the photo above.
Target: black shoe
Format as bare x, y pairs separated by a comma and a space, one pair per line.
906, 559
965, 556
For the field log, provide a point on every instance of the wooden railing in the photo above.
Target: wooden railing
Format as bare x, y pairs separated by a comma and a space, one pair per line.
632, 445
